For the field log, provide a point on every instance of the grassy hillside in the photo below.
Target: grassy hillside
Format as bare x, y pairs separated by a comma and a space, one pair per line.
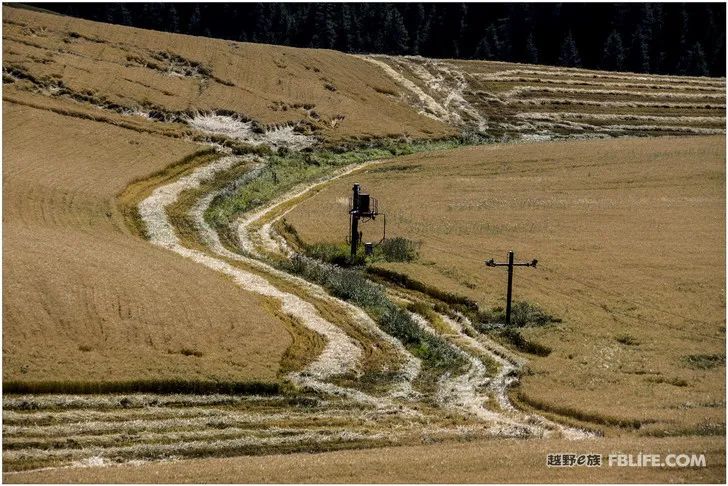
83, 299
144, 177
542, 102
630, 241
325, 93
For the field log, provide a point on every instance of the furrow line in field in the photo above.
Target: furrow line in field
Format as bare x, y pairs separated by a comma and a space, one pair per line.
560, 116
522, 90
594, 74
216, 419
619, 84
426, 104
622, 104
179, 436
31, 403
189, 448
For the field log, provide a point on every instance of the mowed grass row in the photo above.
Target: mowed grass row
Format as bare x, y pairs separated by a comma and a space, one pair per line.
71, 433
507, 95
38, 438
639, 106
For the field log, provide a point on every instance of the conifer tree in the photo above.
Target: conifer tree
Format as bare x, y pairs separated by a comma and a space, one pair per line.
569, 55
396, 37
195, 23
639, 53
613, 53
531, 49
697, 66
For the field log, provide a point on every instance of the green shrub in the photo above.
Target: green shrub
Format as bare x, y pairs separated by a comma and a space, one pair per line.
704, 361
398, 249
335, 254
352, 285
523, 314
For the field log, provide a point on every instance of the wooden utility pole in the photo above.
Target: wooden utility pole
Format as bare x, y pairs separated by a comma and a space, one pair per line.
510, 265
354, 212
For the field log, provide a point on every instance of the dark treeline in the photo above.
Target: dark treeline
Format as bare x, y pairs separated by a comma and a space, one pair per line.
639, 37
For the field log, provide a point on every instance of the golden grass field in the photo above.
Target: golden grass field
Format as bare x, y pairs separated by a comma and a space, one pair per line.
115, 142
630, 239
480, 462
140, 69
85, 300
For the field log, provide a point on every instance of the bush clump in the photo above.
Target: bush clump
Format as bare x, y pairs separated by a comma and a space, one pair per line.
627, 340
352, 285
523, 314
398, 249
335, 254
704, 361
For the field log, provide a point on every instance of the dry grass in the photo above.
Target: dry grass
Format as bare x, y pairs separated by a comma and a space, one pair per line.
495, 98
83, 299
630, 239
134, 68
475, 462
97, 116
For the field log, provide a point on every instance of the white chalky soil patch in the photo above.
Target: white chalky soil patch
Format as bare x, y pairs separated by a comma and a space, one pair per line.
241, 130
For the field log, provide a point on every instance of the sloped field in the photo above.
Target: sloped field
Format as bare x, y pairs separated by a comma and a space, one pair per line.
630, 241
83, 299
542, 102
162, 75
147, 176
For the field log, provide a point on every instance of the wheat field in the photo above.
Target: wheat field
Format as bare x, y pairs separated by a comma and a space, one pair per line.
85, 300
630, 240
158, 324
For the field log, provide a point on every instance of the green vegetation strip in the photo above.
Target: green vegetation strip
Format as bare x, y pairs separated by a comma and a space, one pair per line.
170, 386
285, 170
352, 285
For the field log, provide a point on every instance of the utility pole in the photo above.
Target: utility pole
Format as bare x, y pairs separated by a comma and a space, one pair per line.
354, 212
365, 207
510, 265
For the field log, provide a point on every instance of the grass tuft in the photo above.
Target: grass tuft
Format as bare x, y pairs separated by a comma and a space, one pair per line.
704, 361
627, 340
